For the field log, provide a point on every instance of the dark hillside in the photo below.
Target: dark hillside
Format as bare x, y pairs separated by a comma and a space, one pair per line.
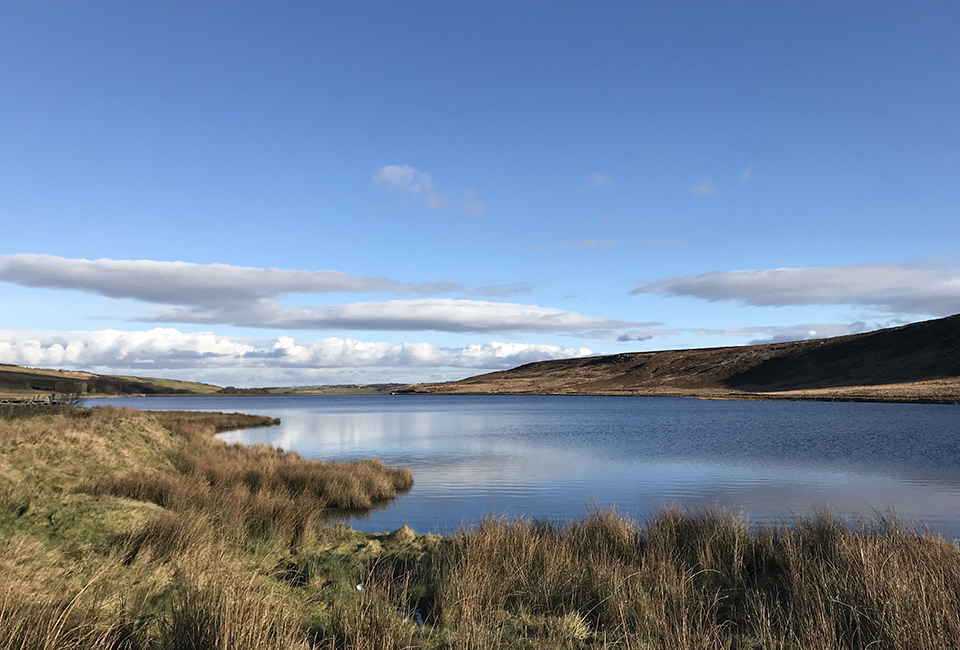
917, 362
18, 380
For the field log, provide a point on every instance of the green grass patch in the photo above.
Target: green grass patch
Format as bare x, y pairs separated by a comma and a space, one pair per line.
176, 384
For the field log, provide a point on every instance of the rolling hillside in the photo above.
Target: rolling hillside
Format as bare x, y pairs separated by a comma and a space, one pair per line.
27, 382
917, 363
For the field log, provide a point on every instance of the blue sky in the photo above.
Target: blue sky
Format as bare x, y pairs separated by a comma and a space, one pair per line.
256, 193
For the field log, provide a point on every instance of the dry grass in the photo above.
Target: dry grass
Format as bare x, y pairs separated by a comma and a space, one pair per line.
213, 613
701, 580
258, 491
190, 543
679, 581
113, 519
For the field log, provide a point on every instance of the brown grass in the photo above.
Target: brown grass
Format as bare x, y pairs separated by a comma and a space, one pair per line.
678, 581
701, 580
257, 491
212, 546
215, 613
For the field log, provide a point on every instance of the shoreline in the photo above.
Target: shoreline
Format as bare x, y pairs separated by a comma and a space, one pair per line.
846, 394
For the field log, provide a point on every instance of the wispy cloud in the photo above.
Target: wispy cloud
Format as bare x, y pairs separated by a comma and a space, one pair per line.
420, 185
428, 314
168, 348
886, 287
598, 181
502, 290
785, 333
705, 188
751, 335
747, 174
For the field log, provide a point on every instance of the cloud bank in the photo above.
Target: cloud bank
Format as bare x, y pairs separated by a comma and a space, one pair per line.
170, 349
885, 287
249, 297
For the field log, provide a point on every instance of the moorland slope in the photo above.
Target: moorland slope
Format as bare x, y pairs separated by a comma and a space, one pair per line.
919, 362
21, 381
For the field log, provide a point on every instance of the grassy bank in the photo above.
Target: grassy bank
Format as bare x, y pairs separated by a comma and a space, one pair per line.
122, 529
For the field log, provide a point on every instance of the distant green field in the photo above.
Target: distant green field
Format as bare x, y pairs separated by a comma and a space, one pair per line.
193, 386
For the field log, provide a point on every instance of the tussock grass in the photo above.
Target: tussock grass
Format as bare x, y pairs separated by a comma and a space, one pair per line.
124, 529
178, 541
679, 580
200, 614
258, 491
701, 580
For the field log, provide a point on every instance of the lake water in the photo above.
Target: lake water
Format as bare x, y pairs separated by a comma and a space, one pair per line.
552, 457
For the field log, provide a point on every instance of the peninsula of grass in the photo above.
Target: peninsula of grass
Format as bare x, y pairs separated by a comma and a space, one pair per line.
122, 529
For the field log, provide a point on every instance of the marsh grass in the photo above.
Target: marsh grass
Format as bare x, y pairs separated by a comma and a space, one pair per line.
259, 492
701, 580
125, 530
198, 614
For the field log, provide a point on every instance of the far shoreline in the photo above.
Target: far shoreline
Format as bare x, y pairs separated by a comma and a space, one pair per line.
819, 395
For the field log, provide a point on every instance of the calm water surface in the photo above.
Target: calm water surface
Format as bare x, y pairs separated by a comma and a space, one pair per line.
551, 457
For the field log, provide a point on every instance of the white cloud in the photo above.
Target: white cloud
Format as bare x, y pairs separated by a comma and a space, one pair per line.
248, 297
194, 284
705, 188
186, 283
405, 179
205, 356
170, 349
159, 347
747, 174
436, 314
508, 355
420, 185
598, 181
886, 287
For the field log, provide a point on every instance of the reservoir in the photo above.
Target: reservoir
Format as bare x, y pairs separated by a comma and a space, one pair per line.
552, 457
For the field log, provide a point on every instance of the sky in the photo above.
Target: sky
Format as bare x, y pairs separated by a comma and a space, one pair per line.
299, 193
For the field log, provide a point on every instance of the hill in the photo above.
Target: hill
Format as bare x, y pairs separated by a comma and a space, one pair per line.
915, 363
19, 381
23, 382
